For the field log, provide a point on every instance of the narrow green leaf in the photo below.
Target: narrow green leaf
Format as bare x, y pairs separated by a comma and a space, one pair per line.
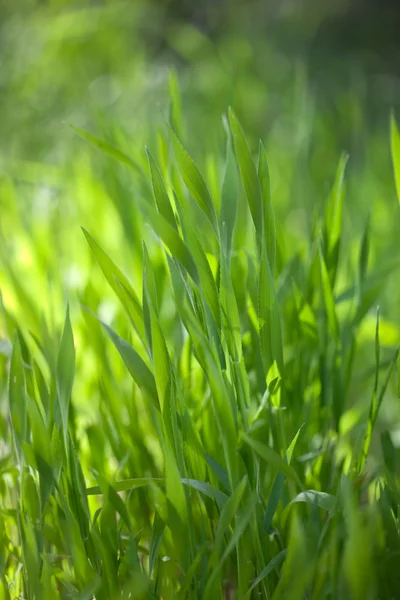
374, 399
229, 201
17, 396
329, 300
194, 182
269, 318
227, 515
115, 279
207, 282
240, 528
160, 192
155, 542
171, 239
364, 251
248, 173
161, 361
230, 314
208, 490
149, 301
123, 486
221, 400
321, 499
333, 220
271, 566
272, 458
176, 108
65, 371
269, 218
105, 147
277, 488
136, 366
395, 150
190, 573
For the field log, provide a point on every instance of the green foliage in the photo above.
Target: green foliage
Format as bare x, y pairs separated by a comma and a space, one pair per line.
210, 418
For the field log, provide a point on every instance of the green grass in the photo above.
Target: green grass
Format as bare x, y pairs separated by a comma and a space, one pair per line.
207, 421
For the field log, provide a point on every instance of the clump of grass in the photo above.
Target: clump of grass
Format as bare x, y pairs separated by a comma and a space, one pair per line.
235, 462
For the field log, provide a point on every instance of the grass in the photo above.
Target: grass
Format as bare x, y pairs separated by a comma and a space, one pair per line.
206, 422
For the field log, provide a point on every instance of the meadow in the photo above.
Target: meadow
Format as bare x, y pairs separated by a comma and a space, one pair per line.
199, 323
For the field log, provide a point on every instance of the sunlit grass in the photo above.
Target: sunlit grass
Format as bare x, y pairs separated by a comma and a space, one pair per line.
207, 421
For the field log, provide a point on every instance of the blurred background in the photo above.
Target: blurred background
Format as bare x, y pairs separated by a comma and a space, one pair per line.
311, 78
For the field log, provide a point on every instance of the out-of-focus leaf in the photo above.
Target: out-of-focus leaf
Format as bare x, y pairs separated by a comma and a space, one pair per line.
395, 148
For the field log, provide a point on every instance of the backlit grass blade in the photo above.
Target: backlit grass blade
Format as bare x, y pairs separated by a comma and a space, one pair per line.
229, 201
171, 239
207, 282
268, 210
229, 312
248, 173
160, 192
374, 399
65, 372
333, 220
395, 150
114, 275
108, 148
328, 299
221, 400
149, 302
135, 364
17, 397
269, 318
194, 182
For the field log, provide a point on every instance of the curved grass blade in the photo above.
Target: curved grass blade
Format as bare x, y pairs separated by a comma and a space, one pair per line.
136, 366
272, 458
171, 239
321, 499
117, 281
105, 147
271, 566
194, 182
